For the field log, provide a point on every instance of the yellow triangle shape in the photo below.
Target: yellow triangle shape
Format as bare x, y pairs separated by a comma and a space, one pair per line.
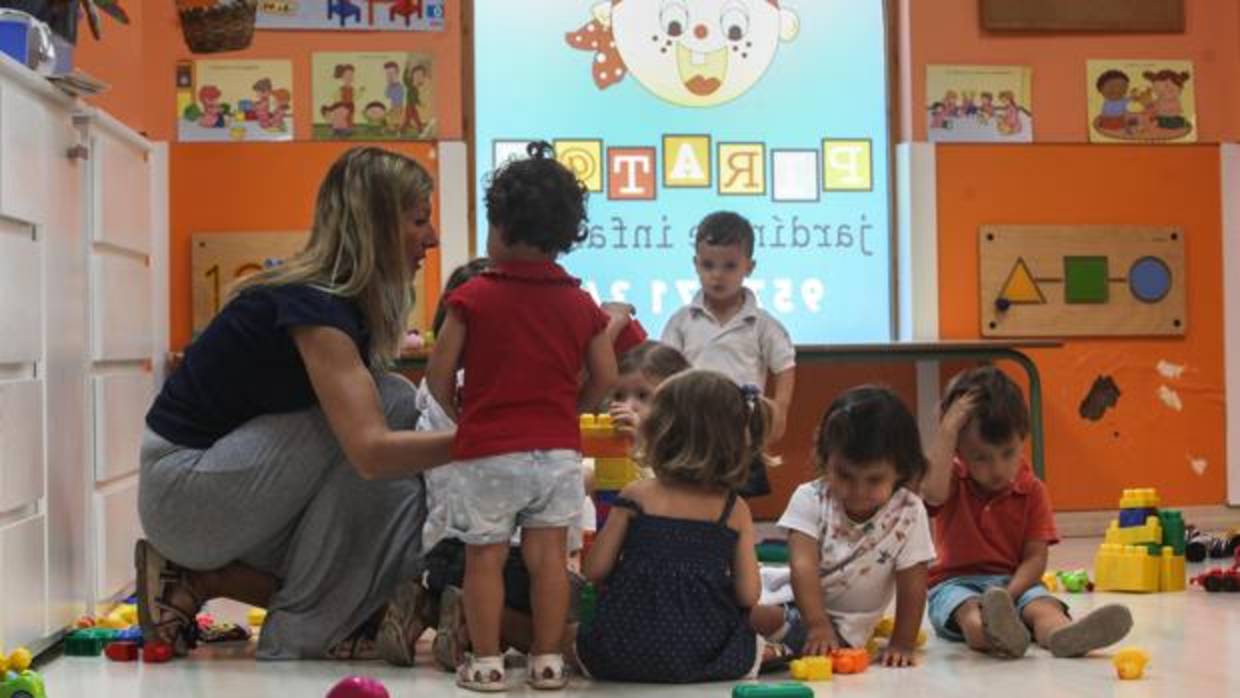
1020, 286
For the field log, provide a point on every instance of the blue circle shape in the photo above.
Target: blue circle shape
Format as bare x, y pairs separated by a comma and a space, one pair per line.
1149, 279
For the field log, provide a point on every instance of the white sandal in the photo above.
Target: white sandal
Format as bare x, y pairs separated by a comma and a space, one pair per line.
483, 674
546, 672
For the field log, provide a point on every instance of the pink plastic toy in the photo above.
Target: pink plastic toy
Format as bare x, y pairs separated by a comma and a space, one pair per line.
358, 687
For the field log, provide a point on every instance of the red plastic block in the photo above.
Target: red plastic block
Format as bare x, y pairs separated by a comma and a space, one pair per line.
122, 651
156, 653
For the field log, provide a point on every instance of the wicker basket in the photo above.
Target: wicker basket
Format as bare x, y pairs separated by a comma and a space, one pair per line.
211, 26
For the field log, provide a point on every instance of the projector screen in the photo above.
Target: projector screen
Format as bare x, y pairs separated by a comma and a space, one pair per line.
671, 109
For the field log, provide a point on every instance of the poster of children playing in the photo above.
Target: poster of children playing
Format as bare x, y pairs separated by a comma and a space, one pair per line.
979, 103
351, 15
373, 96
1145, 101
234, 100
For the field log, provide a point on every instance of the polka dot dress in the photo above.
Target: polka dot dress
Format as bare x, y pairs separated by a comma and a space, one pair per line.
668, 613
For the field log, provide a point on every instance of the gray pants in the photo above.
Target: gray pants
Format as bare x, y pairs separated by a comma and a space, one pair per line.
278, 494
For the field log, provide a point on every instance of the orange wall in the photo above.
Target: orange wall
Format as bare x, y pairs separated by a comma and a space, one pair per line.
949, 31
1140, 442
115, 59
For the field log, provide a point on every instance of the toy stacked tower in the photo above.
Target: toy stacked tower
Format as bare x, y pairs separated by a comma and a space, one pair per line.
613, 464
1144, 547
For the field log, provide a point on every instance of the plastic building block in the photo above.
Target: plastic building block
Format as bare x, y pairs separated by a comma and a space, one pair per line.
887, 625
122, 651
256, 616
1130, 663
1075, 581
1149, 533
1173, 530
772, 690
1171, 571
811, 669
88, 642
358, 687
156, 652
1141, 498
599, 438
133, 635
850, 661
26, 684
615, 473
587, 603
1125, 568
1135, 517
20, 660
772, 551
1050, 582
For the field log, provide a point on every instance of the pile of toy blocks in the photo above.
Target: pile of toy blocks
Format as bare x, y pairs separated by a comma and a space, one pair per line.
613, 463
1144, 548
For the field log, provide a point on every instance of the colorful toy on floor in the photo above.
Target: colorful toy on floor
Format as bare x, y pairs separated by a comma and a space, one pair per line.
883, 631
772, 550
811, 669
1075, 581
25, 684
1130, 663
613, 465
1051, 582
19, 660
256, 617
1145, 556
1219, 579
850, 661
88, 642
156, 653
122, 651
772, 690
1202, 545
358, 687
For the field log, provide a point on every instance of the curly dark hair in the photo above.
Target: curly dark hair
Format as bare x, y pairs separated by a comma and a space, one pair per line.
726, 228
537, 201
868, 424
1000, 410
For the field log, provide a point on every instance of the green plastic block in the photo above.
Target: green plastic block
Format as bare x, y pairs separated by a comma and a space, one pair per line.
1085, 280
772, 690
1173, 529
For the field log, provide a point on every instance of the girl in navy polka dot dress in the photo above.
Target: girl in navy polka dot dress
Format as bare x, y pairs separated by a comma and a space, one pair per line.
676, 559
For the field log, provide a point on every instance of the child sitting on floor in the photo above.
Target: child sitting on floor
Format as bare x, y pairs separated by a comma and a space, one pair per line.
993, 523
857, 535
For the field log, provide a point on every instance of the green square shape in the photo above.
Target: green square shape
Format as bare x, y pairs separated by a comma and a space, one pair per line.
1085, 280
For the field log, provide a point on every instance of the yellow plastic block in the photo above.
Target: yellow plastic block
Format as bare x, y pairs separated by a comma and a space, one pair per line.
599, 438
1171, 571
256, 616
1140, 498
1151, 532
20, 660
1130, 663
812, 669
1051, 582
613, 474
886, 626
1125, 568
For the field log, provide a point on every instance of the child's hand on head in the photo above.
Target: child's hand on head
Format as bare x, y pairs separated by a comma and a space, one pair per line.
619, 311
820, 639
896, 656
959, 413
624, 417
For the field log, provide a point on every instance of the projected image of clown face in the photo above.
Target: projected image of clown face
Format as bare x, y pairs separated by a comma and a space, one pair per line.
694, 53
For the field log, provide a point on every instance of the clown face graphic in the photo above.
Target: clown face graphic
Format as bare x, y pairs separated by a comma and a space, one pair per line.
694, 53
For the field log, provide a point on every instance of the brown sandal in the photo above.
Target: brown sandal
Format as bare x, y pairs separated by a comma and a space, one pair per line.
159, 619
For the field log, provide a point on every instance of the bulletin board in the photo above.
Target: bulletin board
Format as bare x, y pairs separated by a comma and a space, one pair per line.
1083, 15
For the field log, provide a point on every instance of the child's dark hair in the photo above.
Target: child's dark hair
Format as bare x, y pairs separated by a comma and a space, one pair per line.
868, 424
1000, 408
1110, 75
654, 359
704, 430
458, 277
538, 201
726, 228
1177, 77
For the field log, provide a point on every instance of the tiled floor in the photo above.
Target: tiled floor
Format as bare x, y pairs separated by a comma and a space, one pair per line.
1193, 637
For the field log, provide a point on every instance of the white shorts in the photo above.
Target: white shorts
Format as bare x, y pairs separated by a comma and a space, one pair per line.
490, 497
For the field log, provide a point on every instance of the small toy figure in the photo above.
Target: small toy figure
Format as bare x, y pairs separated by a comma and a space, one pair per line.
358, 687
1130, 663
1075, 581
1219, 579
26, 684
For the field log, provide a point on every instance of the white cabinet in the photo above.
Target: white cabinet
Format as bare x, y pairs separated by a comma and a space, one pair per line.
83, 329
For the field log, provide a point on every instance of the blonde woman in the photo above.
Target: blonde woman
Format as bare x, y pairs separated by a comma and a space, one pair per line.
279, 465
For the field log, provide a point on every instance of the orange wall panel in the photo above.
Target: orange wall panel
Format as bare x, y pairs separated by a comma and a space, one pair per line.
117, 59
1141, 441
949, 32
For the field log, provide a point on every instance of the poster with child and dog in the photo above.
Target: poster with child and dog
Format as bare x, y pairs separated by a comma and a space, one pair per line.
1142, 101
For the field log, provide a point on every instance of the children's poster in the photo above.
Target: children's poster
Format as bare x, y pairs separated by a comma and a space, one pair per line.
979, 103
1142, 101
234, 100
373, 96
668, 111
351, 15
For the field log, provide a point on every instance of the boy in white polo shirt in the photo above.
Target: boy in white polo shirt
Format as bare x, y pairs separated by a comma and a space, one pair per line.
724, 329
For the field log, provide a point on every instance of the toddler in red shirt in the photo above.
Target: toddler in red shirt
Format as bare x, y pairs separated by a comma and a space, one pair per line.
523, 331
993, 525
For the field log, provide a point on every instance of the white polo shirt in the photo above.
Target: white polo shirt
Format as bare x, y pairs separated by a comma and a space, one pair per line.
751, 345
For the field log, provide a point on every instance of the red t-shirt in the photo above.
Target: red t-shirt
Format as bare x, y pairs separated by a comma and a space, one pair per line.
976, 532
629, 337
527, 328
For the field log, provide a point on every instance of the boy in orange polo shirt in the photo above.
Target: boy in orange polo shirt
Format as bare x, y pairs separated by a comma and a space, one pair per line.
993, 525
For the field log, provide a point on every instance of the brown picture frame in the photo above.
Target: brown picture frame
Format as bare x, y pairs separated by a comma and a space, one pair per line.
1152, 16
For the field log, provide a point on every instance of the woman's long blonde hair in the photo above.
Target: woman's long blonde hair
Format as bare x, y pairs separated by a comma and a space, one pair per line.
356, 248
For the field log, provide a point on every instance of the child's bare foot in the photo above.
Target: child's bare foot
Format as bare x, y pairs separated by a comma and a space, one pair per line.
1104, 626
1004, 629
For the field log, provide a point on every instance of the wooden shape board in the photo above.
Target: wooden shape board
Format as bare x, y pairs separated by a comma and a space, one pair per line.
1053, 281
1084, 15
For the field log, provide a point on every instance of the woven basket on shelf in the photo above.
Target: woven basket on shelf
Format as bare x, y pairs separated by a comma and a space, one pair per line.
211, 26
